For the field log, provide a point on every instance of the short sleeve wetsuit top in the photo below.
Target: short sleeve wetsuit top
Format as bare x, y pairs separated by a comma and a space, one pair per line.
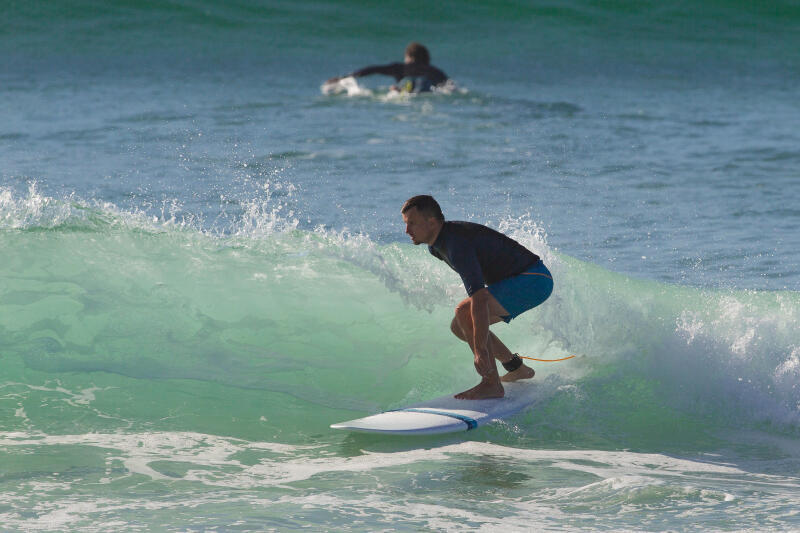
480, 255
415, 77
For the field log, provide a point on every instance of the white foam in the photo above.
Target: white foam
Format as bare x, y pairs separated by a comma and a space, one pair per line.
616, 478
296, 463
21, 212
431, 516
347, 85
789, 368
61, 514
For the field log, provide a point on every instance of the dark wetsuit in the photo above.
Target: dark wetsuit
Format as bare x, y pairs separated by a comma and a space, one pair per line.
481, 255
416, 77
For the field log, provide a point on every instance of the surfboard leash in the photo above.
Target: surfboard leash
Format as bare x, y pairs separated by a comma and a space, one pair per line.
547, 360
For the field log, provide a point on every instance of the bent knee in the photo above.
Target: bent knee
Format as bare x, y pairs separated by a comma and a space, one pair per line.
455, 327
463, 314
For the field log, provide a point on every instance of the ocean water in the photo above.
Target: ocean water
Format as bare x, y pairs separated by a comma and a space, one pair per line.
203, 265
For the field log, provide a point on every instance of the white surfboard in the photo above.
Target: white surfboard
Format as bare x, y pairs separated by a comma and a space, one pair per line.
445, 414
347, 85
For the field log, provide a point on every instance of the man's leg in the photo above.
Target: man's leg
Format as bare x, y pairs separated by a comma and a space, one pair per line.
498, 350
461, 326
496, 347
490, 385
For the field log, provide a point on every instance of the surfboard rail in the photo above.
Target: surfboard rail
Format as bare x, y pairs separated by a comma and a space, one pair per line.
444, 414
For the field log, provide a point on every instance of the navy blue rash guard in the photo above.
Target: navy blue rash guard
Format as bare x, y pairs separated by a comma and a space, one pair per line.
480, 255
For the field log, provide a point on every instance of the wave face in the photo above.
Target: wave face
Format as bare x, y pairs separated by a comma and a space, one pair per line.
323, 321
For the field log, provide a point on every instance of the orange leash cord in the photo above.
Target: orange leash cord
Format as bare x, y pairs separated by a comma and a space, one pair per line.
547, 360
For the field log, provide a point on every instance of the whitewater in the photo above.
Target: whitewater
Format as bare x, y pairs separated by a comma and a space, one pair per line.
203, 266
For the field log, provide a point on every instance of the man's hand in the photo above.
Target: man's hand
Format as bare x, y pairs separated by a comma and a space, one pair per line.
484, 364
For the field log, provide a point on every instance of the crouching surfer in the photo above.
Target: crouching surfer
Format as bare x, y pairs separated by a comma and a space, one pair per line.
503, 279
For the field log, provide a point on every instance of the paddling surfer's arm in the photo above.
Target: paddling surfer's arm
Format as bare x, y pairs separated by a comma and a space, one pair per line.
398, 71
394, 70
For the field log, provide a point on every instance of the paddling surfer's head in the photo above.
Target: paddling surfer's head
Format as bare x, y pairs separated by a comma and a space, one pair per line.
417, 53
423, 218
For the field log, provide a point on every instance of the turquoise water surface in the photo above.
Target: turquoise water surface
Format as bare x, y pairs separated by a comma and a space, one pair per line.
204, 266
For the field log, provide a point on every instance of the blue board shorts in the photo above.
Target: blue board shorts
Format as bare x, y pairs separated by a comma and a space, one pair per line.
524, 291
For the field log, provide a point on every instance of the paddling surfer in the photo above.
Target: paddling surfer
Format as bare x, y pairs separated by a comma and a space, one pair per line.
414, 75
503, 279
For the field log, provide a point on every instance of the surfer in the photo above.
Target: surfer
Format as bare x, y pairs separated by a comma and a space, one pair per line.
414, 75
503, 279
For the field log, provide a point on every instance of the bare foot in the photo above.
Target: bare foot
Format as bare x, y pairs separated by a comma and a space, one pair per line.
523, 372
482, 391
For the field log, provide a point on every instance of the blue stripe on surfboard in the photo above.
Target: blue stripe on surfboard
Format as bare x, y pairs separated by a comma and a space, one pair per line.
470, 422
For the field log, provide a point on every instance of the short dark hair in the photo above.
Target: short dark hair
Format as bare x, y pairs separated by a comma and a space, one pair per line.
426, 205
418, 53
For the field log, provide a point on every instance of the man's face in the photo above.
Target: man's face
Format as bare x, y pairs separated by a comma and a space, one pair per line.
418, 227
